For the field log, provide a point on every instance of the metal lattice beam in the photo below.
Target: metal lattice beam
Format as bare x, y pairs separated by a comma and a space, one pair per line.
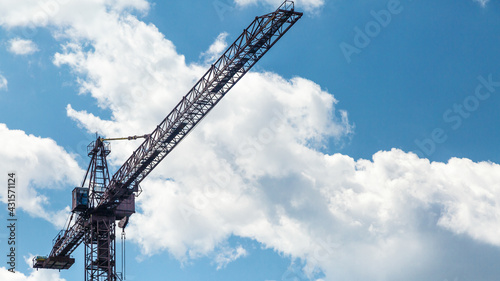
236, 61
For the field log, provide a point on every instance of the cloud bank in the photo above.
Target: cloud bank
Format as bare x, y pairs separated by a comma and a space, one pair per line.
260, 172
35, 275
39, 164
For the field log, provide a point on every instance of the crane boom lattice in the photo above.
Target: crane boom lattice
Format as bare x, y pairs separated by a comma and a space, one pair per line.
250, 46
107, 200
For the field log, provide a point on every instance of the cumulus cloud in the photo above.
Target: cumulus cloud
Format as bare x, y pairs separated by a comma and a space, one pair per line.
3, 83
22, 47
216, 49
259, 170
308, 5
40, 164
32, 14
228, 255
261, 176
41, 275
334, 212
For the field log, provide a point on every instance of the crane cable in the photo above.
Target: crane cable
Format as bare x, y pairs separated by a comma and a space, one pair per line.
127, 138
69, 221
123, 253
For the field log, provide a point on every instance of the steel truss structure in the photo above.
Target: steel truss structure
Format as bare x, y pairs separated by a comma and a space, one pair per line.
112, 199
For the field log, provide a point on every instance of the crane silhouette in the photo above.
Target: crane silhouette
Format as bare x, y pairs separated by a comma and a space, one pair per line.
102, 200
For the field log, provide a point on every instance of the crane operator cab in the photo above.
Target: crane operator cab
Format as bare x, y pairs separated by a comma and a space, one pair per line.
80, 199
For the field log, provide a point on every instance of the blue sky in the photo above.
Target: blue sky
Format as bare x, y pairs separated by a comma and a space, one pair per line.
361, 147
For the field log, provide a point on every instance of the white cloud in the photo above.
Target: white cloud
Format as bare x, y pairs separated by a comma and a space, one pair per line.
40, 164
3, 83
337, 213
227, 255
22, 47
482, 2
35, 275
259, 175
216, 49
31, 14
41, 275
308, 5
259, 172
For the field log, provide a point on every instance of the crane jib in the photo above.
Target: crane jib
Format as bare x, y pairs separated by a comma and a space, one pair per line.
233, 64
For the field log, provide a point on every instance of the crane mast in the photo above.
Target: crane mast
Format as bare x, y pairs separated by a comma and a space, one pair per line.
101, 200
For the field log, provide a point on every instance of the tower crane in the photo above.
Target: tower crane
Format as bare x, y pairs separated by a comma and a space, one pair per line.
102, 200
